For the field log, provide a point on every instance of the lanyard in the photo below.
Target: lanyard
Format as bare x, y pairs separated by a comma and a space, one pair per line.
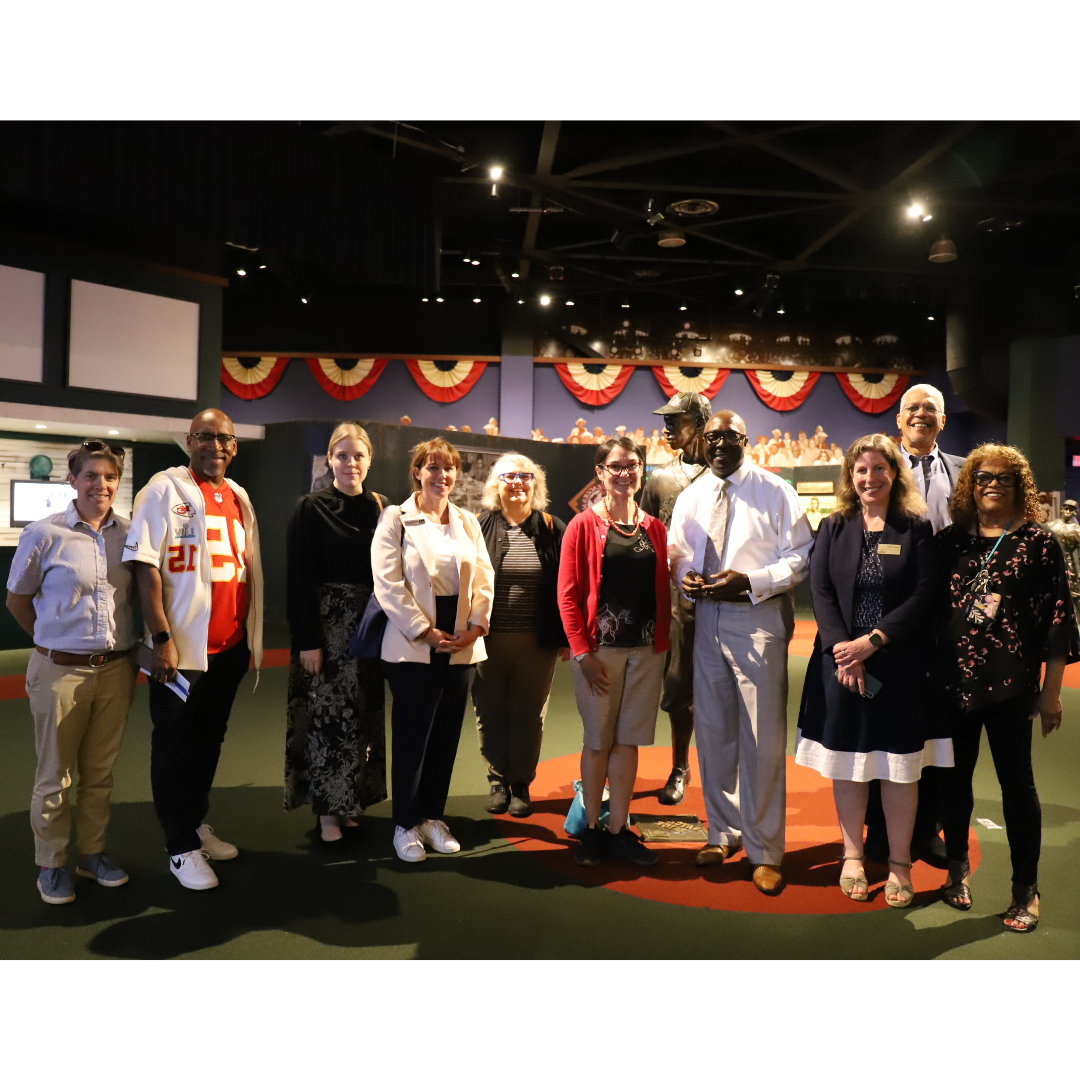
981, 580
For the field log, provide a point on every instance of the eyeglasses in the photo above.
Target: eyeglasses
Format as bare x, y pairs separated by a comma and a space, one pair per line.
206, 437
520, 477
1005, 479
731, 438
619, 470
97, 446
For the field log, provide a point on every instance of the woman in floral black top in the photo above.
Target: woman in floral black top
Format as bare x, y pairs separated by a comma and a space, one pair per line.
1008, 613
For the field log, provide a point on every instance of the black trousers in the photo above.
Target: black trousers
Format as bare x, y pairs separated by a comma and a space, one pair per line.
1008, 731
186, 744
425, 723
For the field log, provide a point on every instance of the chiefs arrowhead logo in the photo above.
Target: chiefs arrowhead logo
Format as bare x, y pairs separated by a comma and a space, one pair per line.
183, 510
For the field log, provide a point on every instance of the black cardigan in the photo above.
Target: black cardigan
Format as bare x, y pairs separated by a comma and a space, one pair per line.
546, 532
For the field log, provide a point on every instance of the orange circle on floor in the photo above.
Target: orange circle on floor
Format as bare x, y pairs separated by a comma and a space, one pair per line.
811, 863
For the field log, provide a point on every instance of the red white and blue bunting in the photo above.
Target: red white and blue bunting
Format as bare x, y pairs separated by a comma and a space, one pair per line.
782, 390
345, 379
682, 378
594, 384
251, 377
446, 380
873, 393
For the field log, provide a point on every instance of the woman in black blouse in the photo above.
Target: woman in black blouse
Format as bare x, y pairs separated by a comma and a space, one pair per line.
1008, 612
864, 709
511, 688
335, 744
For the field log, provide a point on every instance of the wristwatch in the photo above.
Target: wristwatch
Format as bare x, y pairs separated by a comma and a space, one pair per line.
581, 657
161, 637
876, 640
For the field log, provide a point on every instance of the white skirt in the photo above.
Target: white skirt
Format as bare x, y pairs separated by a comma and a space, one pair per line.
875, 765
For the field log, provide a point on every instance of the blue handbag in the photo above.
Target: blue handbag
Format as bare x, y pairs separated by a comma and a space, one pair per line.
576, 821
366, 641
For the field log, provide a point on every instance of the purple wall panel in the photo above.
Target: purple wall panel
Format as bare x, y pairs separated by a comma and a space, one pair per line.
299, 397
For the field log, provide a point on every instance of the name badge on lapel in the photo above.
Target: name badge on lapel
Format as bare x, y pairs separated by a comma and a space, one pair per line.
413, 521
888, 549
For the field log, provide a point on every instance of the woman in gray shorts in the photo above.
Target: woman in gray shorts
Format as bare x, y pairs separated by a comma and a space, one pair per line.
615, 604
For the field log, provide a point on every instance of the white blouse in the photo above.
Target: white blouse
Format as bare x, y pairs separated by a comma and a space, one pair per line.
444, 582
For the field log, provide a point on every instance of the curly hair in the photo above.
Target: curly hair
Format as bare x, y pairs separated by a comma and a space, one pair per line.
962, 504
509, 462
904, 497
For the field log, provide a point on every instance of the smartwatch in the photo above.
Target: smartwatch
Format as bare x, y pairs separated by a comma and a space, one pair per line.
161, 637
876, 641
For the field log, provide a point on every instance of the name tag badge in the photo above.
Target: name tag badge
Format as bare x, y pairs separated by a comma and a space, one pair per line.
888, 549
414, 521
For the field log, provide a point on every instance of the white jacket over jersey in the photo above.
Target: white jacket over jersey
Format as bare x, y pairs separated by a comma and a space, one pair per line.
169, 514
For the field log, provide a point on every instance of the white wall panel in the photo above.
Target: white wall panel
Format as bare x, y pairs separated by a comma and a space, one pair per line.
22, 311
133, 342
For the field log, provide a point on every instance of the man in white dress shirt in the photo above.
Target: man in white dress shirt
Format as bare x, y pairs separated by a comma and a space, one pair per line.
738, 544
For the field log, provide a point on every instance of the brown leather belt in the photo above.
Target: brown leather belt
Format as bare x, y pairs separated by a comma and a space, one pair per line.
94, 660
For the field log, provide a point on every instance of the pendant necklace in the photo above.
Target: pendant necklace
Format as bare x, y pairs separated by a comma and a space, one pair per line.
611, 520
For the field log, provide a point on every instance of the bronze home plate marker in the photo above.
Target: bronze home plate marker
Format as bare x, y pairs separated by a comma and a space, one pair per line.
669, 828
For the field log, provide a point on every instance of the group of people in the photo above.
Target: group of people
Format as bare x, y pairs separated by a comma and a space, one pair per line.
937, 595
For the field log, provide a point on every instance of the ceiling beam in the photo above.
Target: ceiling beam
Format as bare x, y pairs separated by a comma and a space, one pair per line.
546, 157
394, 136
662, 153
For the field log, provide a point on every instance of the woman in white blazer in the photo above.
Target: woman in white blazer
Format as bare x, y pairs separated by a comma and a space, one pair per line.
434, 580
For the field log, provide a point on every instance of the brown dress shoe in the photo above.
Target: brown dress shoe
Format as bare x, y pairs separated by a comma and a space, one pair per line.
711, 854
768, 879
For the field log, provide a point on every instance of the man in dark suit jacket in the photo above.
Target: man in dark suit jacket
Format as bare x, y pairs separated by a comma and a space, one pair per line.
920, 419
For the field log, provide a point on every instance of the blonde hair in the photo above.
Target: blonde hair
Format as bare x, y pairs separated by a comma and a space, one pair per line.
904, 497
348, 431
962, 504
510, 462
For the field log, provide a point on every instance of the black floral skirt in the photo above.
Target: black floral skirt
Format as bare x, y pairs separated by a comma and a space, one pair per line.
335, 740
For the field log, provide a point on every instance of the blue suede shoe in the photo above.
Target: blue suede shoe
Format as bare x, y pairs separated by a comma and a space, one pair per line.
102, 869
54, 884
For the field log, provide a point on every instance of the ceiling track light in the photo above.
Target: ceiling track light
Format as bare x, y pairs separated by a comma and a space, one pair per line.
555, 273
545, 300
241, 273
942, 251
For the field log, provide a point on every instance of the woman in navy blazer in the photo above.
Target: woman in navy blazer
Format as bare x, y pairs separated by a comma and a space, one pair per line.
864, 712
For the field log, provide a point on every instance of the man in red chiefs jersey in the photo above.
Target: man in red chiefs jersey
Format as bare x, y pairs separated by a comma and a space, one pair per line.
195, 545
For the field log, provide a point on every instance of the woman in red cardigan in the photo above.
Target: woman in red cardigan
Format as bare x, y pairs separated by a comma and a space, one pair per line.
615, 604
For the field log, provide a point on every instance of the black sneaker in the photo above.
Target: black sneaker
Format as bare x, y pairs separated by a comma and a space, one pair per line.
519, 800
498, 800
628, 845
590, 849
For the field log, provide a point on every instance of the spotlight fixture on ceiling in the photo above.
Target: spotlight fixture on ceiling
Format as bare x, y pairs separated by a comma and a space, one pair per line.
569, 303
520, 301
682, 307
475, 262
304, 299
545, 300
262, 266
624, 305
780, 310
495, 172
693, 208
515, 274
652, 216
671, 238
438, 299
942, 251
620, 239
423, 300
738, 292
467, 257
928, 217
555, 273
241, 273
915, 210
476, 299
929, 318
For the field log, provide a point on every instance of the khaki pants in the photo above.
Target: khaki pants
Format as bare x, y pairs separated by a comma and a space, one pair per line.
510, 695
79, 717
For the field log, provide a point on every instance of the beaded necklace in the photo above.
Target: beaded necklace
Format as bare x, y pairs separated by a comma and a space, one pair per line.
611, 521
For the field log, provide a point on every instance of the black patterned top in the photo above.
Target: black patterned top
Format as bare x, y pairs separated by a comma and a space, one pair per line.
1001, 657
869, 583
626, 612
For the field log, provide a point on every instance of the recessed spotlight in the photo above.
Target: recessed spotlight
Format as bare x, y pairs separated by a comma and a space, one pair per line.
303, 299
738, 292
929, 318
113, 431
466, 259
779, 311
476, 300
625, 305
41, 427
928, 217
424, 300
262, 266
521, 301
476, 262
915, 210
496, 172
683, 308
515, 275
241, 273
438, 299
569, 303
545, 300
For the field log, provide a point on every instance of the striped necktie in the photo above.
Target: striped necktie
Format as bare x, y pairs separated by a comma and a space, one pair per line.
718, 522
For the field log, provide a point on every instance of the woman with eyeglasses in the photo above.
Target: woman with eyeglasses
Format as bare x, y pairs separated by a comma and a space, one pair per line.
335, 742
69, 590
511, 688
616, 609
1007, 613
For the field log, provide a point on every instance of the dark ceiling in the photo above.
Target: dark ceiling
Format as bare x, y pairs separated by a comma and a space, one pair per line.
823, 206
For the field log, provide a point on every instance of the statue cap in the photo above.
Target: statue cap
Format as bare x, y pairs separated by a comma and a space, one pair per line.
694, 405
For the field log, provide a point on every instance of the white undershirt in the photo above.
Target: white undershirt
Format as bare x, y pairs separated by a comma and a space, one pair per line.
444, 582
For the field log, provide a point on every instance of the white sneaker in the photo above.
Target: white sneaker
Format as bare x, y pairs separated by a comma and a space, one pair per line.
214, 846
408, 845
192, 870
437, 837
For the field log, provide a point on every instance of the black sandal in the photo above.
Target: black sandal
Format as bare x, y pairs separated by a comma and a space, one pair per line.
956, 894
1019, 910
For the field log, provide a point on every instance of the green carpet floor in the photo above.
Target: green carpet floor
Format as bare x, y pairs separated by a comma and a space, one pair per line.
284, 899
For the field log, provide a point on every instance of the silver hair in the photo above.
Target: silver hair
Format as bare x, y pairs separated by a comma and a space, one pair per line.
929, 391
511, 462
